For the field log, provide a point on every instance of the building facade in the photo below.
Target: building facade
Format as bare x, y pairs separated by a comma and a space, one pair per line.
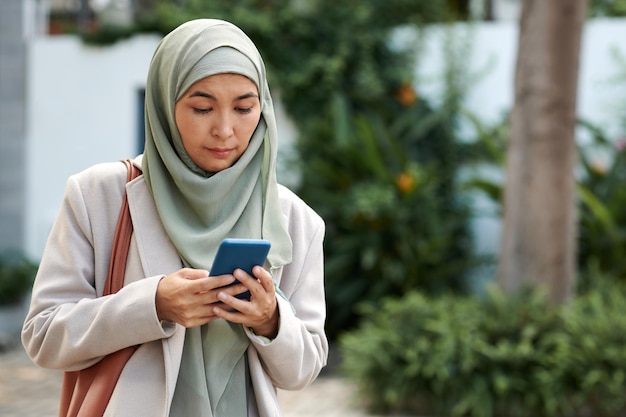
12, 125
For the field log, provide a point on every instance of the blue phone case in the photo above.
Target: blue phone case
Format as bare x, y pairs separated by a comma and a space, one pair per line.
240, 253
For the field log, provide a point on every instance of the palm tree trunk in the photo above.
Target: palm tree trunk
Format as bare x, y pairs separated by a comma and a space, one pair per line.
539, 237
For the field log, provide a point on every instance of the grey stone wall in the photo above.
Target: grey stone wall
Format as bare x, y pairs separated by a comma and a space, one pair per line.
12, 125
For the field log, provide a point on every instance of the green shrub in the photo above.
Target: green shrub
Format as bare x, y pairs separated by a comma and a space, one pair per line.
603, 8
498, 356
595, 326
386, 187
16, 277
602, 219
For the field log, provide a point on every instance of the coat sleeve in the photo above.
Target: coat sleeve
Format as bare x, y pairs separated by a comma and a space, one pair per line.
300, 350
70, 325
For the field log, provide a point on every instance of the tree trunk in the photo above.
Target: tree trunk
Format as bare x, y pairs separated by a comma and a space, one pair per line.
539, 237
488, 13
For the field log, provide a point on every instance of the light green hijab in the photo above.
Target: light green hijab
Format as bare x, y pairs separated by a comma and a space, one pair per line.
198, 209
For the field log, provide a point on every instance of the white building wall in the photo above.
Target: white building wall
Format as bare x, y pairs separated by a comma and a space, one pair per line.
82, 101
82, 109
488, 51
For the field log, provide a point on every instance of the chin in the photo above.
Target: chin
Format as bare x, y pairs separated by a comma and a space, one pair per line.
216, 167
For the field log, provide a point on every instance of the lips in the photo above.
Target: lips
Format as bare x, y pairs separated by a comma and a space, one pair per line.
221, 152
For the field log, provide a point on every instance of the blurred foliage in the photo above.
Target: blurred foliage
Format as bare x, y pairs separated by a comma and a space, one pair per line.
607, 8
600, 175
387, 190
602, 228
16, 277
383, 167
595, 369
316, 49
375, 159
504, 355
490, 146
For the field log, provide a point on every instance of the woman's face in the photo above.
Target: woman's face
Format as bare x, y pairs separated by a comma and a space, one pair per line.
216, 118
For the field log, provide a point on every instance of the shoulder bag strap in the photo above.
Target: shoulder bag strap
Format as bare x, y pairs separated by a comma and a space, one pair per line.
121, 241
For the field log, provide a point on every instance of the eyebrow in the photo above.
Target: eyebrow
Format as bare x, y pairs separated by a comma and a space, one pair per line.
212, 97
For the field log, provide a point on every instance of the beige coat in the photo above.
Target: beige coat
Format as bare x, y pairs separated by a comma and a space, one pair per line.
68, 327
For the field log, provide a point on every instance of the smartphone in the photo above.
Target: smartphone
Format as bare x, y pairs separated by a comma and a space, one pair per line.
239, 253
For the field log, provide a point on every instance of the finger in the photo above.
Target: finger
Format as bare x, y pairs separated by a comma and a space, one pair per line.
232, 308
265, 278
201, 314
249, 281
229, 314
199, 320
210, 283
190, 273
243, 277
232, 290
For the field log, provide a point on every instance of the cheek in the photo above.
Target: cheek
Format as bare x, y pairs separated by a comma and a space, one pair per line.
187, 126
251, 125
180, 121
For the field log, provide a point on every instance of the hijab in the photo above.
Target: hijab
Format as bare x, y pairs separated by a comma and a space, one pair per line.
198, 208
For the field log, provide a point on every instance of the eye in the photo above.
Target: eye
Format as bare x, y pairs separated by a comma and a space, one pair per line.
244, 110
198, 110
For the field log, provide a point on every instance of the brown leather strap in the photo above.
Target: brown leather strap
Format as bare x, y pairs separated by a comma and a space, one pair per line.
121, 241
87, 392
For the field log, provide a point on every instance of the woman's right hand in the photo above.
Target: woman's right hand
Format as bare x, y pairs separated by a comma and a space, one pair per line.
188, 296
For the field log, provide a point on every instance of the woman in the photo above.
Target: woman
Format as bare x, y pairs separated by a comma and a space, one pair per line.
208, 173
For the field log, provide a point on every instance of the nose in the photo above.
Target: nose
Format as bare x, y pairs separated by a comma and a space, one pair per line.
222, 127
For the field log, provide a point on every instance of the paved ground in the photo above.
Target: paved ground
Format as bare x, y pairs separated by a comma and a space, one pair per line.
29, 391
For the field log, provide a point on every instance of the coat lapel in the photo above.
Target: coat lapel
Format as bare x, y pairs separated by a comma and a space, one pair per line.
156, 251
158, 256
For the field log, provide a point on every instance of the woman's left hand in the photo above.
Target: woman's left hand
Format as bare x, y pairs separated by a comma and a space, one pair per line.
261, 312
